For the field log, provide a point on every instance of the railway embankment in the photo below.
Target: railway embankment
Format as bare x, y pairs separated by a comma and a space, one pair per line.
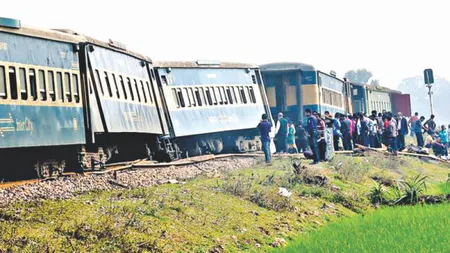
223, 205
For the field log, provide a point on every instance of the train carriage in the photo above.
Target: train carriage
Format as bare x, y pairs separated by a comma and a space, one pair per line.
212, 106
125, 107
41, 105
293, 87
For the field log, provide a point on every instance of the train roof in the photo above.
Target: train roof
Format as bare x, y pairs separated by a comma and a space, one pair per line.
68, 36
287, 66
205, 64
376, 88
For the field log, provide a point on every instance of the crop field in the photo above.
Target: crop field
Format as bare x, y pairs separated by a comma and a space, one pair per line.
400, 229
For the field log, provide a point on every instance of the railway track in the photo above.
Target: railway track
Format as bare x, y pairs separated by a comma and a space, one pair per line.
136, 164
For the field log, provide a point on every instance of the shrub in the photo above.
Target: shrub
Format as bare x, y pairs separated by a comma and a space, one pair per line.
377, 194
350, 168
411, 190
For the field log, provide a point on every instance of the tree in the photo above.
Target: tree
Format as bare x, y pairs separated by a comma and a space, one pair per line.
375, 82
358, 76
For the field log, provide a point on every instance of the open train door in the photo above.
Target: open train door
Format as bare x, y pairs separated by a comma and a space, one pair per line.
401, 103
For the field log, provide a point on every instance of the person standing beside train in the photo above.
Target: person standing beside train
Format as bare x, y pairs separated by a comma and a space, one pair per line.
264, 128
392, 134
346, 132
418, 131
411, 122
313, 135
364, 130
431, 125
402, 128
282, 133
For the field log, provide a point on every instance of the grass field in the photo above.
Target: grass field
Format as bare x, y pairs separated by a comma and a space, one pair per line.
239, 211
399, 229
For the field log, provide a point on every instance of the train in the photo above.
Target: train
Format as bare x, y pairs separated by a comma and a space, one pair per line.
71, 101
68, 100
293, 87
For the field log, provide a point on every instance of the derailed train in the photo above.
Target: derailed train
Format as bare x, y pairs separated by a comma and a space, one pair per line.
71, 101
68, 100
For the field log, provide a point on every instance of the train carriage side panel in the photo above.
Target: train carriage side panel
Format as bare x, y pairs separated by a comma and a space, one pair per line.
378, 100
40, 97
211, 100
358, 98
332, 97
401, 103
127, 99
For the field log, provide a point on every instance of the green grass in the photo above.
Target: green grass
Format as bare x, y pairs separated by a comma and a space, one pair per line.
235, 212
399, 229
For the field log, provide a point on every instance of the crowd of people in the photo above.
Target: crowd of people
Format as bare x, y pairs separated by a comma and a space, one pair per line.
350, 131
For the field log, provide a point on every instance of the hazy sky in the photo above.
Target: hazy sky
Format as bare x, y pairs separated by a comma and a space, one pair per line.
394, 39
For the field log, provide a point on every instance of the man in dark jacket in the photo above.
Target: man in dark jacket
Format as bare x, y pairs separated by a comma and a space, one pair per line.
282, 132
418, 131
345, 130
264, 128
402, 128
313, 133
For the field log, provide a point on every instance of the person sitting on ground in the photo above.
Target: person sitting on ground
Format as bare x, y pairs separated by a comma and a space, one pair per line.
439, 149
443, 135
429, 140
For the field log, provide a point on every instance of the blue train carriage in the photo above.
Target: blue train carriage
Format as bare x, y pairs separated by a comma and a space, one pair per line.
212, 106
126, 116
368, 98
41, 106
293, 87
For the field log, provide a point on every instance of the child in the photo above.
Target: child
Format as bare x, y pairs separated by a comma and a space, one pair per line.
291, 138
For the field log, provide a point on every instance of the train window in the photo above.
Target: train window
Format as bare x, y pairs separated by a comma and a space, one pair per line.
254, 79
2, 82
218, 95
230, 97
59, 83
175, 97
251, 92
67, 87
42, 85
164, 79
180, 98
130, 88
192, 97
23, 84
115, 86
213, 95
198, 97
138, 94
13, 82
33, 85
108, 84
150, 94
143, 91
76, 88
208, 96
51, 85
186, 95
233, 92
152, 74
242, 93
124, 89
99, 81
224, 95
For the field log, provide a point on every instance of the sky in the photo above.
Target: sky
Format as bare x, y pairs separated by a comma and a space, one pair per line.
394, 39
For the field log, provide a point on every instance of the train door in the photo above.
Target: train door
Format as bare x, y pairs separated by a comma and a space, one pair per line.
280, 93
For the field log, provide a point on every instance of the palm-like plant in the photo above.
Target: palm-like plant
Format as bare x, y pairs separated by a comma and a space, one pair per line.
377, 194
412, 189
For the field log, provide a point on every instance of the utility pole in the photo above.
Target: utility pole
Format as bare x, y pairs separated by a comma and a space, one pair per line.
429, 80
430, 95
